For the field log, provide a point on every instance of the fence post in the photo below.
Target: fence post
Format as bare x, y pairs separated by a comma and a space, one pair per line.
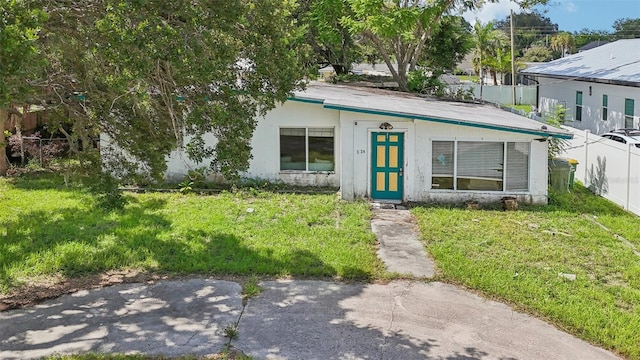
626, 203
41, 153
586, 157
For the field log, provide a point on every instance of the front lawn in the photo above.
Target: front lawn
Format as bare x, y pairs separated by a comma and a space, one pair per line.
519, 256
48, 230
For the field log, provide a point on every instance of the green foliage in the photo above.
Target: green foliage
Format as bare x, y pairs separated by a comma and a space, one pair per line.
450, 43
556, 118
19, 60
251, 288
421, 82
331, 42
400, 30
537, 53
530, 28
107, 194
627, 28
490, 50
156, 76
19, 53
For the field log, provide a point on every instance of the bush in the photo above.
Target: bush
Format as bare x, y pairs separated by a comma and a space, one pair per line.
36, 148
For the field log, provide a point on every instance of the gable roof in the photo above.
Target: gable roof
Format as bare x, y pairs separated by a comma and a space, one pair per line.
408, 106
593, 44
615, 63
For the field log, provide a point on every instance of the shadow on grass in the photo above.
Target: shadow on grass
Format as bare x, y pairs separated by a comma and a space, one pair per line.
71, 242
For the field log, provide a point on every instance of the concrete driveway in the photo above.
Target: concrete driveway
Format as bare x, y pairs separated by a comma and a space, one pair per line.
288, 320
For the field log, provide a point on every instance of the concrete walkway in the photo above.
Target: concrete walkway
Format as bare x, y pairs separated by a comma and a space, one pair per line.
400, 249
289, 320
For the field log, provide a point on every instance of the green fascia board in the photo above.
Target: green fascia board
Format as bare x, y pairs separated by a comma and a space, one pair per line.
307, 100
447, 121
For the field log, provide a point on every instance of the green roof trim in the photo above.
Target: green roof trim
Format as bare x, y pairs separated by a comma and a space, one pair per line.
306, 100
446, 121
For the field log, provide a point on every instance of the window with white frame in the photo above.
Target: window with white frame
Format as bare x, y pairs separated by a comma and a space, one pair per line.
307, 149
605, 107
480, 165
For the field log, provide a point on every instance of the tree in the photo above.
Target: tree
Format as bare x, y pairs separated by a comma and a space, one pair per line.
19, 57
490, 50
529, 28
562, 43
399, 29
450, 43
585, 36
331, 42
537, 53
155, 75
627, 28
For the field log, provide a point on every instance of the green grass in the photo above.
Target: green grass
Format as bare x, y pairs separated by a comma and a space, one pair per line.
48, 230
517, 256
472, 78
523, 107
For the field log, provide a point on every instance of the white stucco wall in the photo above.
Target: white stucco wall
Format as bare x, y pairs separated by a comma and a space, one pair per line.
557, 91
265, 163
353, 154
418, 134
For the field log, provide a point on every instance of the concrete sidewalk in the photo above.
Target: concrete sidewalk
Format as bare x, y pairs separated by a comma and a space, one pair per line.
400, 248
289, 320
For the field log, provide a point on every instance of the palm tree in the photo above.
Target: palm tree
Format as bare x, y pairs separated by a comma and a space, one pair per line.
562, 42
489, 50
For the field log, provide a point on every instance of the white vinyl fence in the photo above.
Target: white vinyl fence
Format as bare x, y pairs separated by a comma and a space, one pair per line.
610, 169
501, 94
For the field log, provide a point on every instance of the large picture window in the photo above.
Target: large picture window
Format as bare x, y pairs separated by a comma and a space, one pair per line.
307, 149
480, 165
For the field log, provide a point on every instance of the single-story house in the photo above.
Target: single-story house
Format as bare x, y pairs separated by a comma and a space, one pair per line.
393, 146
599, 87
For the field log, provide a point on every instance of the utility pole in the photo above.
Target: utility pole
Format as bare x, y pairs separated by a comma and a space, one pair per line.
513, 64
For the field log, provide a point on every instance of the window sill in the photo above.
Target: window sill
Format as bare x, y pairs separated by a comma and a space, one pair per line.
306, 172
518, 192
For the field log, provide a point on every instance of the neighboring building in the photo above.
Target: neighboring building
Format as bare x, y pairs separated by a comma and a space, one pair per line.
395, 146
592, 45
600, 87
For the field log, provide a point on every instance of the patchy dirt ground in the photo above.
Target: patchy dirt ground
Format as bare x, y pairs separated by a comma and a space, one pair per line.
35, 293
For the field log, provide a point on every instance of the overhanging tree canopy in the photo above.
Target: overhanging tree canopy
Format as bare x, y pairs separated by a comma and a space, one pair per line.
147, 73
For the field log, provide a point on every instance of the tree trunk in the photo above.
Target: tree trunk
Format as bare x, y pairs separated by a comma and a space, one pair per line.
19, 134
4, 163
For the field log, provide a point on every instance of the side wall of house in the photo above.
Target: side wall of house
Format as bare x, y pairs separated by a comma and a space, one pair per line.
563, 92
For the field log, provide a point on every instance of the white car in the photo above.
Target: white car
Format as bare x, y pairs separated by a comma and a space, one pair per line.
632, 138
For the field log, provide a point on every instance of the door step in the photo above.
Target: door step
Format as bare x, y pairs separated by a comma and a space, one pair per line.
388, 205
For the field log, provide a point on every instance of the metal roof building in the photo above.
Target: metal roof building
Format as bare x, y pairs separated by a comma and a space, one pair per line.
616, 63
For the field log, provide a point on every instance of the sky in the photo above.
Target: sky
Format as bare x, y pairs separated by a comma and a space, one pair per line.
570, 15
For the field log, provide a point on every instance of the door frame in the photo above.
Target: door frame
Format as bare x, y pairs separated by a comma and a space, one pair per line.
403, 162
